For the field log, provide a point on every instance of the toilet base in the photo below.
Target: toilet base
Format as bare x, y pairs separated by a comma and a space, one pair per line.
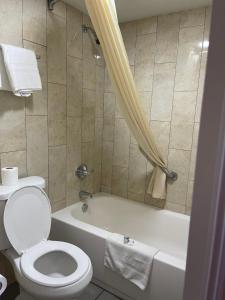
24, 296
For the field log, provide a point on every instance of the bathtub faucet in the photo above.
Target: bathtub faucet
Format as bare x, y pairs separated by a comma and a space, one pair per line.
84, 195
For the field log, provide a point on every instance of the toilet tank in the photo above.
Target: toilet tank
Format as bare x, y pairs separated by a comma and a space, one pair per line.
5, 192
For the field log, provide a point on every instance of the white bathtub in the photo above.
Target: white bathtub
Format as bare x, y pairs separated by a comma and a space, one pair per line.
162, 229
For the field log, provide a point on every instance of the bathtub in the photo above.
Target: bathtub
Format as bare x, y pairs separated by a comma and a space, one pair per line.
106, 214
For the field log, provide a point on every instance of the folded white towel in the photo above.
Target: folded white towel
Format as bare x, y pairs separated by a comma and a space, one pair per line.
133, 261
22, 70
4, 81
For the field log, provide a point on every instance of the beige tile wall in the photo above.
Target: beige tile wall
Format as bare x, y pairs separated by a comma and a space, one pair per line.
51, 133
168, 62
75, 118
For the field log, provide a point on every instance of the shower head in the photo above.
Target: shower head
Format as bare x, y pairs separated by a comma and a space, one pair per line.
94, 40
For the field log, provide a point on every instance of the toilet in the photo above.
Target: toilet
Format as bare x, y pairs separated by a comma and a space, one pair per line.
44, 269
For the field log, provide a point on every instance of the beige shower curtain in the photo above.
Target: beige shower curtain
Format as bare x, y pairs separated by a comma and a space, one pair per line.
104, 18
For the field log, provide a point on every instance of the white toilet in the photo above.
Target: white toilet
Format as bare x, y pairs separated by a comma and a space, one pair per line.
44, 269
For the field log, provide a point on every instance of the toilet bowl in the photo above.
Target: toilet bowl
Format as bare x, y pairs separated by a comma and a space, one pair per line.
44, 269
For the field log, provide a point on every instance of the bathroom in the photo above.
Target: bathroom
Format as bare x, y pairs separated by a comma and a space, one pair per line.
74, 137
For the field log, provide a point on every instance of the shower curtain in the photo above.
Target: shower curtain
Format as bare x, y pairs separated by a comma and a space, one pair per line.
104, 19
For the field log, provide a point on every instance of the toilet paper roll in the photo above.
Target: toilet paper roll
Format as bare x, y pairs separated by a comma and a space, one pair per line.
9, 176
3, 284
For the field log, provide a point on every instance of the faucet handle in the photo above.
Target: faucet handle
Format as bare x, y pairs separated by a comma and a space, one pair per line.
82, 171
126, 239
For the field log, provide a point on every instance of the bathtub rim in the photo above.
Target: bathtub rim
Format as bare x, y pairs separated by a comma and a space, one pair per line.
64, 215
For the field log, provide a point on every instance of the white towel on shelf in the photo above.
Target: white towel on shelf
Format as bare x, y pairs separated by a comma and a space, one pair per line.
4, 81
133, 261
22, 70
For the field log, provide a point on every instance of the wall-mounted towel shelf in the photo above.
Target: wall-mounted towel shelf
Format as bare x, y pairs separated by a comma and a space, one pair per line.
51, 4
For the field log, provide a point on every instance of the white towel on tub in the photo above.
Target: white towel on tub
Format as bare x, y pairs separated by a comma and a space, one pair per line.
22, 70
133, 261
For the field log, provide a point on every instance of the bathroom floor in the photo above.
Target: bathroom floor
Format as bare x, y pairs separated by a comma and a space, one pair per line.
92, 292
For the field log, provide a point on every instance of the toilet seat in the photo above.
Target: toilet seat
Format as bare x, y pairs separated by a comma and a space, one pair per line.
27, 222
29, 258
27, 218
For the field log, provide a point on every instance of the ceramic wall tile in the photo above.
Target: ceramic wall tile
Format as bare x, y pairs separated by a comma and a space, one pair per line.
119, 181
167, 38
58, 205
146, 26
129, 33
162, 97
190, 193
11, 22
88, 157
56, 49
57, 173
144, 61
161, 132
100, 77
56, 114
74, 87
201, 81
176, 207
194, 17
37, 103
88, 119
34, 21
73, 143
107, 160
72, 188
121, 143
12, 123
146, 103
37, 145
188, 60
179, 161
89, 74
108, 129
74, 33
183, 120
194, 152
137, 171
109, 104
108, 82
98, 140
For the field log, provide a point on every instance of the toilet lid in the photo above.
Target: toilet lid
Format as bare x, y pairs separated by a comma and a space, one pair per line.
27, 218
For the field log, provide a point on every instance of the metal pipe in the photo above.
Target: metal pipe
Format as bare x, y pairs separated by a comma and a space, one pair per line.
86, 29
51, 4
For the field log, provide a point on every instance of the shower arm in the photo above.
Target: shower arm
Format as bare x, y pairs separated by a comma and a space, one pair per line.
86, 29
51, 4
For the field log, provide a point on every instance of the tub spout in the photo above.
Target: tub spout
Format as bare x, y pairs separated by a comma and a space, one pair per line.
84, 195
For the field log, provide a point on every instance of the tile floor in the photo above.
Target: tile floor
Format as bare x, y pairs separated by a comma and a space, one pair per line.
11, 292
92, 292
